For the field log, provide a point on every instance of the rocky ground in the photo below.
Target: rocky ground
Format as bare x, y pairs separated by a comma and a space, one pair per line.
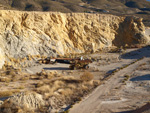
118, 78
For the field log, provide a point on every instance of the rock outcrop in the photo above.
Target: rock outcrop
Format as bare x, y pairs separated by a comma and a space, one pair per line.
52, 33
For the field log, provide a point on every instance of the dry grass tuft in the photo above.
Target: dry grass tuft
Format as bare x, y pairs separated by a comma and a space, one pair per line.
11, 107
45, 89
21, 87
8, 93
47, 75
5, 79
39, 84
25, 78
87, 76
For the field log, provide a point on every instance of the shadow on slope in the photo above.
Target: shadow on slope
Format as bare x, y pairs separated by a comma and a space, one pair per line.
137, 54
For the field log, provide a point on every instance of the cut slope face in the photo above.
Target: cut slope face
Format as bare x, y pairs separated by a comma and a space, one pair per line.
57, 33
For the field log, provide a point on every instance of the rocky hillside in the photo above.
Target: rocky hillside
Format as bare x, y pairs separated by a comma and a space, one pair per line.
112, 6
58, 33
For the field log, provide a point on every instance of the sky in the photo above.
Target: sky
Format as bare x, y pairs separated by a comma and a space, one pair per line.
148, 0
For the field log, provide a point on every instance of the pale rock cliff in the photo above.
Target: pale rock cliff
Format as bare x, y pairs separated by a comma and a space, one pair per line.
52, 33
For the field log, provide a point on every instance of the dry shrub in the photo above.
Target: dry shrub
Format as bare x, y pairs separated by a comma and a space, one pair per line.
29, 58
87, 76
96, 82
6, 93
15, 77
56, 87
38, 56
44, 61
58, 83
72, 86
17, 61
11, 72
25, 78
3, 74
48, 75
5, 79
65, 89
34, 76
84, 87
39, 84
3, 68
65, 92
21, 87
11, 107
41, 77
40, 62
42, 73
43, 89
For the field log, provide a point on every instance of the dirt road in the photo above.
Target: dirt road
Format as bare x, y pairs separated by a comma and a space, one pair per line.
109, 93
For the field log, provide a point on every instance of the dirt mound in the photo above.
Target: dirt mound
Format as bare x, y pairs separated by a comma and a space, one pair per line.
28, 99
22, 101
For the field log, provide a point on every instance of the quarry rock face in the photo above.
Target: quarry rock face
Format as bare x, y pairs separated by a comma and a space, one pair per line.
52, 33
131, 32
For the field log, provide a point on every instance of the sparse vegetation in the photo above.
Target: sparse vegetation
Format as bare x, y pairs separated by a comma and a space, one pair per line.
57, 89
126, 78
20, 87
52, 84
87, 76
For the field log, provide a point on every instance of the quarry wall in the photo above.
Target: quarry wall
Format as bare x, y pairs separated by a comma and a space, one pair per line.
53, 33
